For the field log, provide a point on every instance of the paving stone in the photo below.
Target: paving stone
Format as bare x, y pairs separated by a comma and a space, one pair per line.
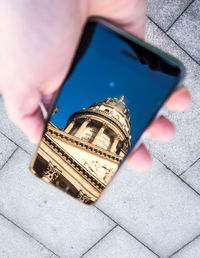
7, 148
192, 176
165, 12
183, 150
192, 250
118, 243
12, 132
15, 243
186, 30
156, 207
63, 224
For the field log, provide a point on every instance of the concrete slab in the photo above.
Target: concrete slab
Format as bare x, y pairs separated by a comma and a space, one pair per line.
164, 13
183, 150
186, 32
61, 223
118, 243
15, 243
156, 207
192, 250
7, 148
192, 176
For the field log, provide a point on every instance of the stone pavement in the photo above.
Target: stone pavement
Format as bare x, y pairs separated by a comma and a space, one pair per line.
152, 214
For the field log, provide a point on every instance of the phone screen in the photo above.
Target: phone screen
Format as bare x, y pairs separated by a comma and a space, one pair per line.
113, 91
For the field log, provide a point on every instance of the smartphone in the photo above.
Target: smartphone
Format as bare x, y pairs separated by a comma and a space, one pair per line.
115, 88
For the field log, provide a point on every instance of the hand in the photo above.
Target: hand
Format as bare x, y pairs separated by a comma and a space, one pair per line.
38, 40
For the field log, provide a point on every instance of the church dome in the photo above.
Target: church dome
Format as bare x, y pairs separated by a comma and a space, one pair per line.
112, 112
117, 104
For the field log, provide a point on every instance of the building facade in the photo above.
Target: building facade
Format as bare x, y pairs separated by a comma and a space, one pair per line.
82, 159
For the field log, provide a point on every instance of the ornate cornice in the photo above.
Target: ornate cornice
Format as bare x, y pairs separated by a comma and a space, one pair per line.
83, 144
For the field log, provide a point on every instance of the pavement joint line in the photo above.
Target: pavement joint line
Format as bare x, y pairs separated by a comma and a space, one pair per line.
9, 139
177, 176
14, 142
140, 241
127, 231
30, 154
54, 256
184, 246
189, 167
9, 158
173, 40
1, 214
180, 15
98, 241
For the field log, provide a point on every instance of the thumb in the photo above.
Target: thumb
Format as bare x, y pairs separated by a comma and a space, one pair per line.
23, 108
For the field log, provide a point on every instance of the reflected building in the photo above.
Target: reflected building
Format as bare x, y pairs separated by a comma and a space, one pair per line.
82, 159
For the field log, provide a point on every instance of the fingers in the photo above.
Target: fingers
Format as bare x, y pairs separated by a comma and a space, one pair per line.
23, 109
180, 100
140, 159
161, 129
33, 125
130, 15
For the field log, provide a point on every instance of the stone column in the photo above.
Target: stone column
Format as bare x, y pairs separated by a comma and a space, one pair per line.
98, 135
114, 144
82, 128
69, 127
51, 173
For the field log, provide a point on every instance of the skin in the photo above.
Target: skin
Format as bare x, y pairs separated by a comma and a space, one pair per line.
38, 41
